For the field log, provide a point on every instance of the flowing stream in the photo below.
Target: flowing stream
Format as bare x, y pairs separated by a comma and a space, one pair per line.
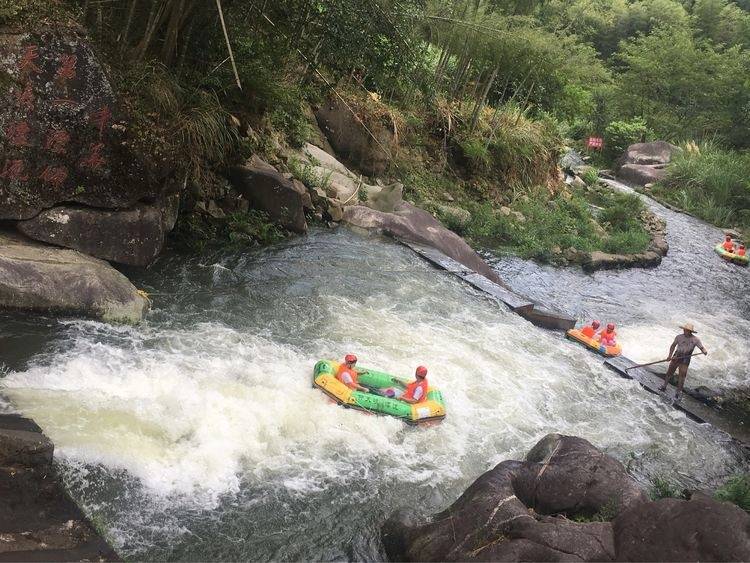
197, 435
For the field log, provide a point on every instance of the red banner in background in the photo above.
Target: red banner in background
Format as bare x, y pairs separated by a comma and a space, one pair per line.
595, 143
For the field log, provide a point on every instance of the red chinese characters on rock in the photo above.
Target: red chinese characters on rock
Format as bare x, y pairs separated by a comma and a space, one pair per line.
94, 160
17, 134
13, 170
67, 69
55, 176
57, 141
100, 118
27, 64
26, 98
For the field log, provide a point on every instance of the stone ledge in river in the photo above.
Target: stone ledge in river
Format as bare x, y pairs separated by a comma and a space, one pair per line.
130, 236
598, 260
47, 279
413, 224
519, 511
38, 520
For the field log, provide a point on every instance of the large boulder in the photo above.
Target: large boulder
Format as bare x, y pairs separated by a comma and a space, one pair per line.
519, 511
527, 511
699, 529
653, 153
42, 278
416, 225
268, 190
133, 236
352, 141
64, 137
344, 186
644, 163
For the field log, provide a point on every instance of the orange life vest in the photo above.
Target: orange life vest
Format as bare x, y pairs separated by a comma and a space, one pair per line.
343, 368
588, 331
741, 252
412, 388
607, 338
728, 246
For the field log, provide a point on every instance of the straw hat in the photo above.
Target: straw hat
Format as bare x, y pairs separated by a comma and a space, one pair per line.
688, 326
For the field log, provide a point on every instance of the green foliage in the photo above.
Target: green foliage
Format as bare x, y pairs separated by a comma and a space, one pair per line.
619, 135
621, 212
251, 228
712, 183
306, 173
737, 491
662, 487
606, 513
590, 176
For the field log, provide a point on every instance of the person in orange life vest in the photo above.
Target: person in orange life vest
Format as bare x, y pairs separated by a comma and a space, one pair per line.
590, 330
607, 337
741, 251
347, 373
728, 245
416, 391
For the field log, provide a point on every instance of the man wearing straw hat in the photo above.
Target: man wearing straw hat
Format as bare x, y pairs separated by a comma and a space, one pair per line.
679, 354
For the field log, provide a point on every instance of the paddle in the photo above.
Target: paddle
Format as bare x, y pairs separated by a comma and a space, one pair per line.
661, 361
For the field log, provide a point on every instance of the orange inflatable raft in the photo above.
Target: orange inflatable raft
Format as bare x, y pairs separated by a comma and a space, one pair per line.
578, 336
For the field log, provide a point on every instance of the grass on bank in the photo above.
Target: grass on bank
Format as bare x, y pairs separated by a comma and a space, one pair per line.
711, 183
548, 223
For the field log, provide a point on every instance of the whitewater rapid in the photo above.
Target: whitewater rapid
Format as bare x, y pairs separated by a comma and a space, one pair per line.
198, 434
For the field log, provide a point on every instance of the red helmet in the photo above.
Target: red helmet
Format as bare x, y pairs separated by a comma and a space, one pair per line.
350, 359
421, 371
610, 327
595, 324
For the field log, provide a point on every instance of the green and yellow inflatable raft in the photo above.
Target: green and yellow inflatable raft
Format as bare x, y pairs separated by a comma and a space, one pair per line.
731, 256
430, 410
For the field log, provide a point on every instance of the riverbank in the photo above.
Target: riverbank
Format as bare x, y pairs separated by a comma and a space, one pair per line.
38, 520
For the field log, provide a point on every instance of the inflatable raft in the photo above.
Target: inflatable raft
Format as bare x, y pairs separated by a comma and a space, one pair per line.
324, 378
608, 351
731, 256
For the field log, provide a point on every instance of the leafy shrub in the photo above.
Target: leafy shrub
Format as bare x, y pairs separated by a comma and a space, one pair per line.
306, 174
619, 135
664, 488
737, 491
627, 242
252, 227
475, 150
590, 176
621, 212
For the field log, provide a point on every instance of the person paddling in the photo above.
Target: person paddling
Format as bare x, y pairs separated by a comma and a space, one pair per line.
679, 354
416, 391
348, 374
728, 245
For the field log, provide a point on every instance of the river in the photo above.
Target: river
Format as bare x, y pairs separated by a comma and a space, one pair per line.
197, 435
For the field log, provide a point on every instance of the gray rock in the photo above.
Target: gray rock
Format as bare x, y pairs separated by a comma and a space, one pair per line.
699, 529
598, 260
214, 210
572, 162
132, 236
456, 215
641, 174
352, 142
24, 447
411, 223
266, 189
652, 153
41, 278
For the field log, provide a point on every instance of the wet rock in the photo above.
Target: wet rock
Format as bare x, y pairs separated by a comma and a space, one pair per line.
41, 278
301, 189
38, 521
411, 223
335, 212
133, 236
506, 514
699, 529
351, 140
606, 173
598, 260
267, 190
578, 182
64, 136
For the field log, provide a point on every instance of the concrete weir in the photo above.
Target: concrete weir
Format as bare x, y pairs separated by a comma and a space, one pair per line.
531, 311
38, 520
693, 408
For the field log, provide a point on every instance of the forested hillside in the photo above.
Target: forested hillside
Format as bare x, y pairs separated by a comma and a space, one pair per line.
481, 95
